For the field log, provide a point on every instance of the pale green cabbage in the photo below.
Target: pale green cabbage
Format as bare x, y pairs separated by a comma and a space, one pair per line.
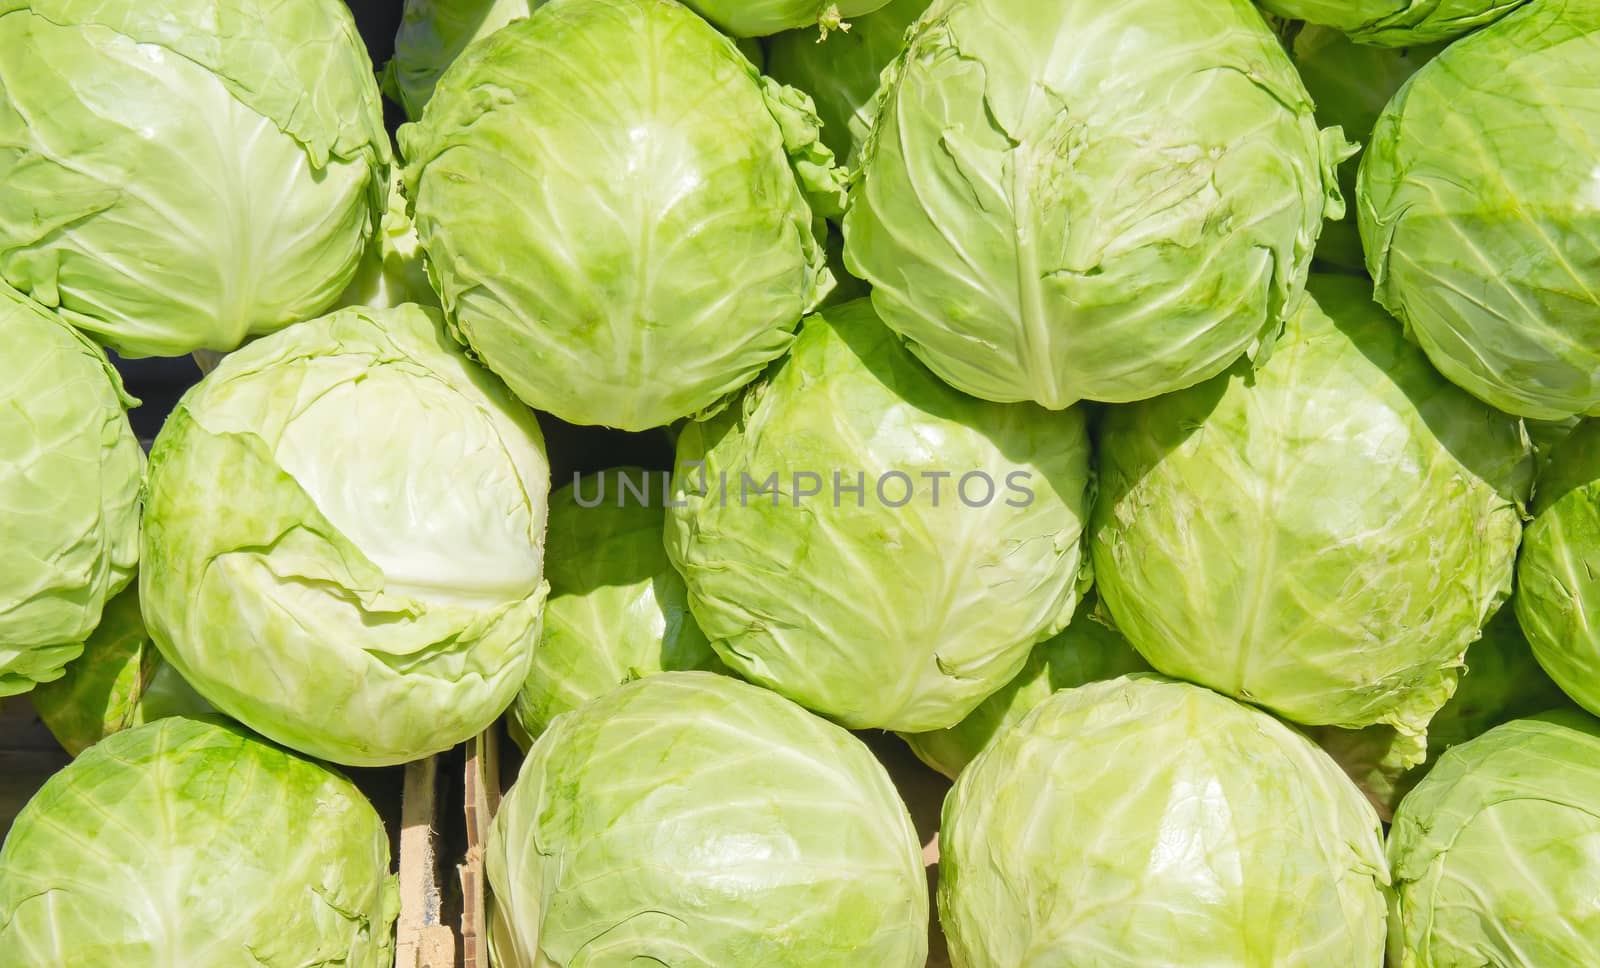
1323, 537
690, 819
1494, 853
623, 246
1142, 822
1479, 203
1080, 201
187, 842
343, 540
617, 610
119, 682
70, 471
186, 174
901, 604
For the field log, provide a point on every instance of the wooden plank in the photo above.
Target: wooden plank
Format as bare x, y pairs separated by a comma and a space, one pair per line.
422, 939
482, 801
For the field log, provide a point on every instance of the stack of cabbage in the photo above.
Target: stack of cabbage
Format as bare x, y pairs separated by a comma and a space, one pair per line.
1049, 386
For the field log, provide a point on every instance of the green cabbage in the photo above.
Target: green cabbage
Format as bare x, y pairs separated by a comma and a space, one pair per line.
691, 819
871, 543
190, 843
617, 610
1558, 575
840, 69
758, 18
1494, 852
1085, 651
186, 174
119, 682
1323, 537
433, 33
1079, 200
1396, 23
1351, 84
1143, 822
626, 245
343, 538
70, 470
1479, 204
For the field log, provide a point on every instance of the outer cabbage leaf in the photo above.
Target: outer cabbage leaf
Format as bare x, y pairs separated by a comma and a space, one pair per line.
904, 602
617, 610
1494, 852
693, 820
1558, 591
1076, 201
1083, 652
623, 246
1145, 822
1323, 537
119, 682
188, 174
1479, 205
1501, 682
433, 33
187, 842
343, 540
1351, 84
1396, 23
758, 18
840, 69
70, 472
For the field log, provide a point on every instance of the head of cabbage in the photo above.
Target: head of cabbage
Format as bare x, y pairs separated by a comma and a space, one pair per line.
1493, 854
1323, 536
70, 472
343, 538
188, 174
1140, 821
1479, 209
689, 818
1077, 201
190, 842
623, 244
871, 543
